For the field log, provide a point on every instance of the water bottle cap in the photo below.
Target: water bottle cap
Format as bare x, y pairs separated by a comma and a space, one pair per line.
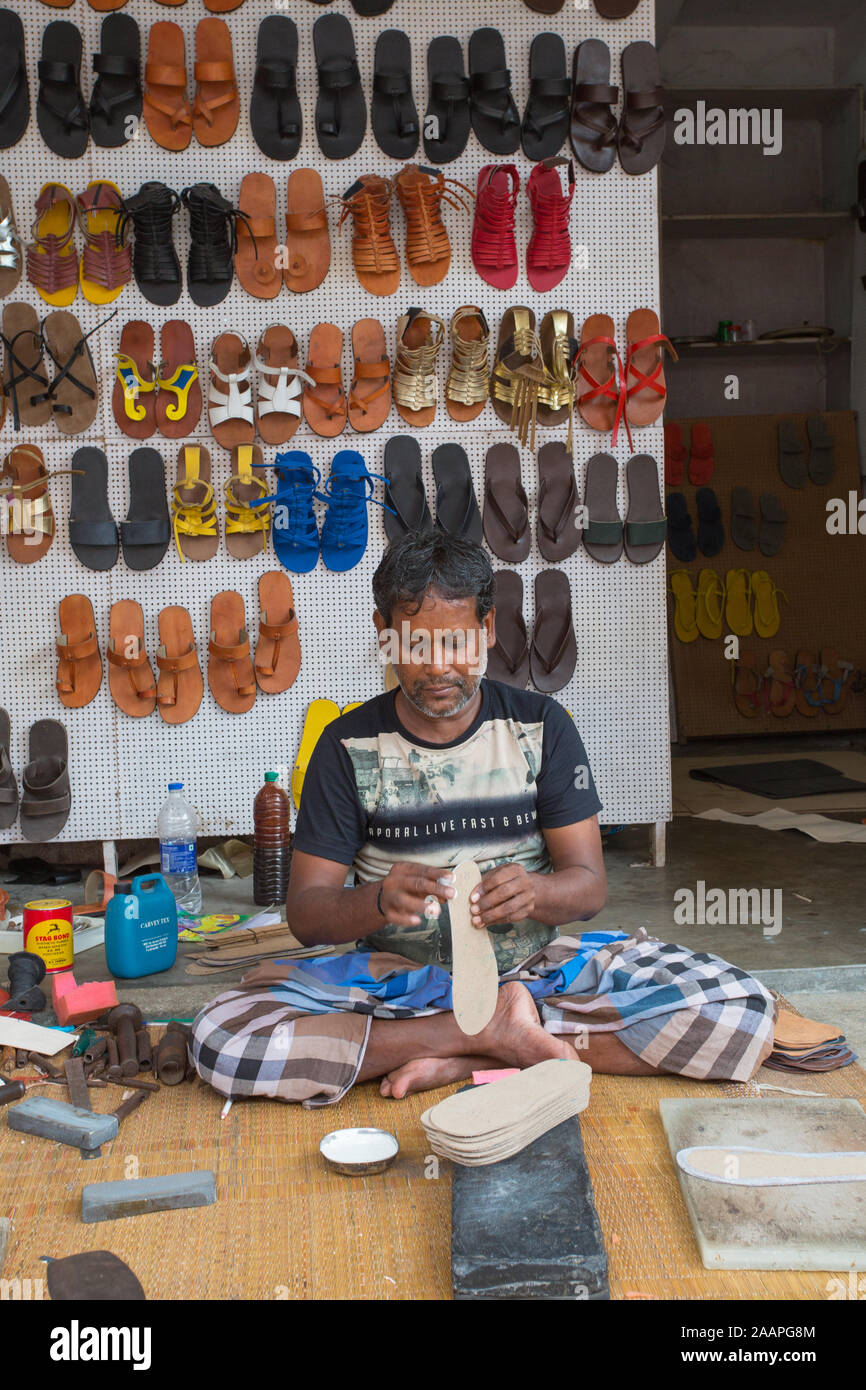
271, 776
175, 786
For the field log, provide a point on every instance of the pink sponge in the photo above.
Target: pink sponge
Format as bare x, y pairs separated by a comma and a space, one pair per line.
80, 1003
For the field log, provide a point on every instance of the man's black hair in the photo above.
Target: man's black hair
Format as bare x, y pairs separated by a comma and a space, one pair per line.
421, 561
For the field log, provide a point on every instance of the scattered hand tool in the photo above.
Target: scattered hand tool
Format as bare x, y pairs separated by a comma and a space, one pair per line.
43, 1064
85, 1039
144, 1050
11, 1090
131, 1103
124, 1019
96, 1048
172, 1058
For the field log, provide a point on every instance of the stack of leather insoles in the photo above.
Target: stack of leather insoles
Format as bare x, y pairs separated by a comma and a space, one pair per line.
802, 1044
492, 1122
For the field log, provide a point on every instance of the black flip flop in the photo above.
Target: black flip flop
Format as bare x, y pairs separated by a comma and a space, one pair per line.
92, 528
14, 90
146, 532
61, 114
46, 798
641, 136
393, 112
645, 525
404, 491
447, 116
771, 535
8, 784
372, 7
744, 518
116, 94
508, 658
792, 455
557, 529
553, 652
545, 119
594, 131
495, 118
822, 459
457, 511
275, 112
681, 537
602, 534
711, 532
341, 115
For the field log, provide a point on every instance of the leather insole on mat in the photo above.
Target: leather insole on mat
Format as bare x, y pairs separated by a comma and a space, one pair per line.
779, 780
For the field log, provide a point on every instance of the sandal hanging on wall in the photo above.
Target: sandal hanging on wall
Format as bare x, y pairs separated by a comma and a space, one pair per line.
130, 678
279, 390
166, 107
247, 525
325, 401
194, 517
275, 112
92, 529
495, 118
79, 665
146, 533
133, 398
63, 118
447, 117
14, 90
11, 250
46, 797
116, 98
393, 113
25, 380
74, 391
30, 524
179, 686
308, 241
230, 410
179, 402
230, 673
341, 112
216, 106
546, 116
370, 392
278, 649
52, 257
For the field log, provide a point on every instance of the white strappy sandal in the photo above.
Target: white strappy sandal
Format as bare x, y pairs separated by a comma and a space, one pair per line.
230, 411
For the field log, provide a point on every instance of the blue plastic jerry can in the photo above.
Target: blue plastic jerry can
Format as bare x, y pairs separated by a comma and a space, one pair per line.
141, 927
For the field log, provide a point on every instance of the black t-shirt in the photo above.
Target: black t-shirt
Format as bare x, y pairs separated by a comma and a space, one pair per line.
374, 794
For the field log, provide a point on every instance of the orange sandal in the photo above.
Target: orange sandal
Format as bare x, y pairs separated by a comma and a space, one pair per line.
217, 105
230, 673
178, 405
370, 393
256, 256
167, 112
133, 399
644, 375
308, 241
325, 402
30, 523
278, 650
599, 394
130, 678
180, 687
749, 696
79, 665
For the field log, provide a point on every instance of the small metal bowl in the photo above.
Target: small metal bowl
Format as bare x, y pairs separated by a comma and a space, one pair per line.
360, 1153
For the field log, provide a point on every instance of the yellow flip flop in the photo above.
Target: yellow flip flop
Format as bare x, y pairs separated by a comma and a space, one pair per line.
767, 616
738, 602
710, 604
685, 626
356, 704
320, 713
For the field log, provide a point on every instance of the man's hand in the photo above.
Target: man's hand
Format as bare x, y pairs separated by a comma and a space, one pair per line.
406, 888
506, 894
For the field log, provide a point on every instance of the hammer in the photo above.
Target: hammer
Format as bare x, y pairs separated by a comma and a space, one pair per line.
123, 1021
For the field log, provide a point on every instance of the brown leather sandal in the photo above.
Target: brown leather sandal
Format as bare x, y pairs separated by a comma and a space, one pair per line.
506, 511
308, 241
178, 404
230, 673
52, 256
217, 105
130, 678
74, 391
167, 112
374, 255
30, 525
644, 375
106, 261
180, 686
600, 398
79, 665
325, 402
370, 393
193, 509
133, 398
25, 380
422, 193
278, 398
278, 650
256, 256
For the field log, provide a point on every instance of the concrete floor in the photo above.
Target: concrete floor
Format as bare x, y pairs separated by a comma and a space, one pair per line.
821, 946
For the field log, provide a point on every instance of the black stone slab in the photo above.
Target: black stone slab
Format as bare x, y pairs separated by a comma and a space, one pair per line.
527, 1227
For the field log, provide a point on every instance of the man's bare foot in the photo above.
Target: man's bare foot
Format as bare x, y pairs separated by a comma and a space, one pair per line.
514, 1034
426, 1074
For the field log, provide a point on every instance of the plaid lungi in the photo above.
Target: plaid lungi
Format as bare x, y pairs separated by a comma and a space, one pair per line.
298, 1031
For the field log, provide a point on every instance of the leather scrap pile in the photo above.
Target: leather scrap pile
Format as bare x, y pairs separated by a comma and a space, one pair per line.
248, 946
802, 1044
491, 1122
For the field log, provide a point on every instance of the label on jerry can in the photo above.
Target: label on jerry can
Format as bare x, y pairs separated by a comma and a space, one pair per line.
47, 926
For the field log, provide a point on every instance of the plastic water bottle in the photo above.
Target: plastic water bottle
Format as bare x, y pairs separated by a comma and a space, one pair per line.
178, 859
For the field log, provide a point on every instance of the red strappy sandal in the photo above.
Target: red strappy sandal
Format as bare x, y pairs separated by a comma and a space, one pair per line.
675, 454
702, 461
644, 376
494, 250
600, 398
548, 254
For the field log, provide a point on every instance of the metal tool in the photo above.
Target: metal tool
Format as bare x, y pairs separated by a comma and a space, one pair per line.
123, 1020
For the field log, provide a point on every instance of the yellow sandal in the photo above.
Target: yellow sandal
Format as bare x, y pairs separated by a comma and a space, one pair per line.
710, 604
685, 625
738, 602
766, 595
193, 507
247, 527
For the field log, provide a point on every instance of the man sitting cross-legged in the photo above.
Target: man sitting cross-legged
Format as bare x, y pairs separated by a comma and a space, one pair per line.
447, 767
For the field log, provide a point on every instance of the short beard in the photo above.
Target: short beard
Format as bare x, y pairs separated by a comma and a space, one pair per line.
468, 691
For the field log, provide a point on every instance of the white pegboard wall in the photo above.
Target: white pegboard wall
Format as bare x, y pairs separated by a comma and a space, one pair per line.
119, 767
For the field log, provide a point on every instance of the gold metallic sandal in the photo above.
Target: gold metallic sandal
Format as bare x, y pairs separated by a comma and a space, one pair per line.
513, 385
419, 339
556, 394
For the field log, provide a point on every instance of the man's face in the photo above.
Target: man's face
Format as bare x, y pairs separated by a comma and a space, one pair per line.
439, 654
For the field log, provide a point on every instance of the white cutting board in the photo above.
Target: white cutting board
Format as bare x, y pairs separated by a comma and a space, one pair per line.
820, 1226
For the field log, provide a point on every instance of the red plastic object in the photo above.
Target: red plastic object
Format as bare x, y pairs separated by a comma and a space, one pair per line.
548, 254
76, 1004
702, 461
675, 454
494, 250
